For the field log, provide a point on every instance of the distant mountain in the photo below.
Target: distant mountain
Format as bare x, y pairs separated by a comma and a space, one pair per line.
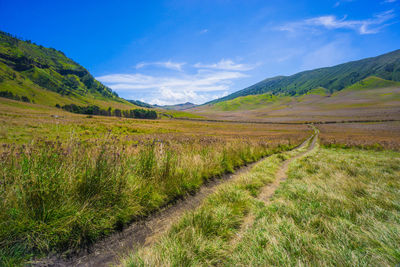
183, 106
333, 79
140, 103
46, 76
372, 98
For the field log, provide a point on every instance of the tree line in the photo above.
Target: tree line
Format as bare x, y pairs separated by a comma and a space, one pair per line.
10, 95
96, 110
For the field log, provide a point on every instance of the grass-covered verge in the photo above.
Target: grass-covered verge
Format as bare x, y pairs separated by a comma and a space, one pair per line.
58, 197
204, 237
338, 208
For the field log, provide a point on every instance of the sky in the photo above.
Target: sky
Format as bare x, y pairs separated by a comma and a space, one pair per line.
169, 52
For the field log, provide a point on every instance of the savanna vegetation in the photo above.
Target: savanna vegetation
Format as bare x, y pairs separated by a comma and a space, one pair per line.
67, 180
69, 177
367, 135
337, 207
207, 235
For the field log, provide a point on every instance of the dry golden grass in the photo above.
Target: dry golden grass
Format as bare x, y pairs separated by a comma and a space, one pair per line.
69, 179
382, 135
22, 123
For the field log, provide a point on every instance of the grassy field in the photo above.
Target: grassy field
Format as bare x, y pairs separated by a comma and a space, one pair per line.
69, 179
337, 207
23, 122
375, 135
203, 237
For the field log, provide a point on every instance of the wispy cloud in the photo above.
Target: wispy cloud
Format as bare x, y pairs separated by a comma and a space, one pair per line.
224, 64
340, 2
389, 1
198, 88
164, 64
367, 26
203, 31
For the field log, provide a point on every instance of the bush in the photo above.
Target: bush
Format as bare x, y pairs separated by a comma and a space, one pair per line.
96, 110
10, 95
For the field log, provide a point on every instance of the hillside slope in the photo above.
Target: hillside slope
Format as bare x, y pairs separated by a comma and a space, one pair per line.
46, 76
334, 78
372, 98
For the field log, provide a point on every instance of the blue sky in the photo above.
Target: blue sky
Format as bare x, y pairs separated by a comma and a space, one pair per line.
168, 52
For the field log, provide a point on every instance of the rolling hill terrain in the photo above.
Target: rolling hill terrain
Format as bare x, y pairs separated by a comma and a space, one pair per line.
336, 78
182, 106
359, 90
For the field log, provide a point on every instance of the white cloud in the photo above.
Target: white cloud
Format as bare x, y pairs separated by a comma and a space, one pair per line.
225, 64
389, 1
200, 87
367, 26
165, 64
203, 31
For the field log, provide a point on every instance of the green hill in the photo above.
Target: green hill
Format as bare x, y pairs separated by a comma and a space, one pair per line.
372, 98
333, 79
46, 76
372, 83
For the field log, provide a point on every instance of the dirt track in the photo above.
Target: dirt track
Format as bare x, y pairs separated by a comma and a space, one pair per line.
142, 233
268, 191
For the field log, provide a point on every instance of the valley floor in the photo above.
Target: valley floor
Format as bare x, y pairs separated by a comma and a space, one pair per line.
349, 104
337, 207
71, 180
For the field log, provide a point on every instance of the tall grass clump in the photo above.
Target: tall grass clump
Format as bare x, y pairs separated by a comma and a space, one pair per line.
58, 197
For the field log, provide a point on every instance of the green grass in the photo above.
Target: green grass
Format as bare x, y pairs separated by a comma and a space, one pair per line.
334, 78
251, 102
372, 82
48, 77
181, 114
203, 236
63, 196
339, 207
318, 91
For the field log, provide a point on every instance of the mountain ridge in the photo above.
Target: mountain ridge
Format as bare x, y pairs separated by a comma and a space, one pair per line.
335, 78
181, 106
